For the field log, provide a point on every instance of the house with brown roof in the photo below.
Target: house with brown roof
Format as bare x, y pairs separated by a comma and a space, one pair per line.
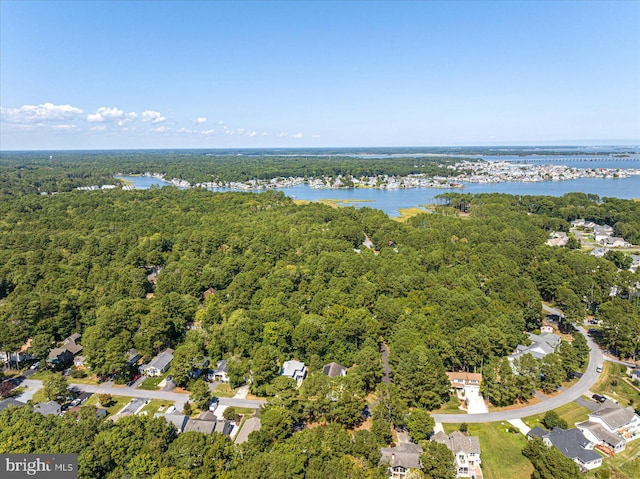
465, 382
401, 459
466, 453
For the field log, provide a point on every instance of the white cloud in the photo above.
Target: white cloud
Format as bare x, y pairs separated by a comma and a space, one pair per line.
153, 116
64, 127
221, 122
107, 114
283, 135
250, 134
162, 129
98, 128
38, 113
297, 136
200, 120
208, 132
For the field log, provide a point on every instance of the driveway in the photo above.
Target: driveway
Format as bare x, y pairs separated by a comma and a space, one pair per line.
587, 380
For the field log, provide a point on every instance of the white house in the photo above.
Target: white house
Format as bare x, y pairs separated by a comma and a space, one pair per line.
611, 426
159, 364
295, 370
220, 373
466, 452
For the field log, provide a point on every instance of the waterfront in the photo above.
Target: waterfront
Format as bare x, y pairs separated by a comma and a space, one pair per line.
390, 201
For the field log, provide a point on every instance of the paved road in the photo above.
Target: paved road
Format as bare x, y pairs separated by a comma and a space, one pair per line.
144, 394
580, 388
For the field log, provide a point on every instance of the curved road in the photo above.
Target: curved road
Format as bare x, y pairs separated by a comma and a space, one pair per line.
581, 387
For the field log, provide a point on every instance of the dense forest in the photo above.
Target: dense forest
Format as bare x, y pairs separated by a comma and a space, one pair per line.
453, 290
33, 172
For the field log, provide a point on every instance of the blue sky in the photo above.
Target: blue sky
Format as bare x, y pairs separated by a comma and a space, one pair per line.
81, 75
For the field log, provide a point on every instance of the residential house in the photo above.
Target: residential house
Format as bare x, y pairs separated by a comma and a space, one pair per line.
250, 425
65, 353
601, 232
635, 262
401, 459
466, 453
572, 443
223, 427
133, 356
611, 426
50, 407
220, 373
540, 346
467, 383
557, 238
635, 374
598, 252
178, 420
547, 327
295, 370
197, 370
614, 242
14, 357
159, 364
577, 222
334, 369
5, 403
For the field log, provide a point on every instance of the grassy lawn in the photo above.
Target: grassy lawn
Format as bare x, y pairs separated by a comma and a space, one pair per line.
93, 380
625, 465
450, 407
406, 213
501, 451
117, 403
622, 392
224, 391
38, 396
155, 405
151, 384
570, 412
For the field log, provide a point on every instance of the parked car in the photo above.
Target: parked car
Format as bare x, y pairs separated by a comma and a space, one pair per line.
213, 404
35, 365
599, 398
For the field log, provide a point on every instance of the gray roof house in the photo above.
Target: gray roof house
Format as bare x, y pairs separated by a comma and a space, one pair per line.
5, 403
50, 407
65, 353
295, 370
572, 443
209, 427
220, 373
178, 420
466, 452
400, 459
635, 374
250, 425
159, 364
611, 425
540, 346
334, 369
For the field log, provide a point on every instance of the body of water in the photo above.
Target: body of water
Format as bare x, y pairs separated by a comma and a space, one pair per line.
390, 201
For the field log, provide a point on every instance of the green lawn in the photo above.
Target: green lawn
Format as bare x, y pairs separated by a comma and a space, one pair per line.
38, 396
151, 384
501, 451
224, 391
450, 407
155, 405
570, 412
623, 391
117, 403
625, 465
